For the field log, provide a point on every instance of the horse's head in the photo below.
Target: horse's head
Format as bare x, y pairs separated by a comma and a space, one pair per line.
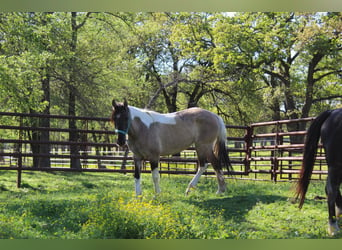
120, 118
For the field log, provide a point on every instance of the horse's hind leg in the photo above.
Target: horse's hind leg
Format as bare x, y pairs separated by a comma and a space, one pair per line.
221, 183
219, 174
333, 197
338, 204
203, 166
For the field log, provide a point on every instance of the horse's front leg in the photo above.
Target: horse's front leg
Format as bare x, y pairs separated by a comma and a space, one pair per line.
155, 175
137, 176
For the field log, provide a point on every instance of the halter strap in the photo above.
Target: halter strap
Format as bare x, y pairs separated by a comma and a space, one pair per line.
121, 131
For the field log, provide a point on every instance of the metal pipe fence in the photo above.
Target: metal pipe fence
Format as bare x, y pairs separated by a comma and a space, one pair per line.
260, 151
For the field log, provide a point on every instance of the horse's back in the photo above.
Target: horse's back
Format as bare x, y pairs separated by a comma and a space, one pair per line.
205, 125
193, 126
198, 115
331, 130
331, 135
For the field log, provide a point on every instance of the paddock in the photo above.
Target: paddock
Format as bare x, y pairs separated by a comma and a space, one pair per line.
264, 151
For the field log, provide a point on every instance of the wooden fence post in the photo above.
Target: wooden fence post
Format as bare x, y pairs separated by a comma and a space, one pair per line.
248, 143
20, 158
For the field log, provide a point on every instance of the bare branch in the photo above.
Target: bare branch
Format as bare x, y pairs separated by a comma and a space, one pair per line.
327, 74
326, 98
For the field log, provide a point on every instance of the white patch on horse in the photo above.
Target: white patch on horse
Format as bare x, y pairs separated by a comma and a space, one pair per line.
138, 187
149, 117
195, 180
156, 179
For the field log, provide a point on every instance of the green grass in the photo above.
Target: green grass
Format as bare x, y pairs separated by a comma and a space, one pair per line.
103, 205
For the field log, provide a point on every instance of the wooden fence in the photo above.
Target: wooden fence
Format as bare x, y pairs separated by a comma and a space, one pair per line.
260, 151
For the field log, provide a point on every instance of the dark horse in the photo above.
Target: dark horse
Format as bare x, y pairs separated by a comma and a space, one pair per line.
328, 126
151, 134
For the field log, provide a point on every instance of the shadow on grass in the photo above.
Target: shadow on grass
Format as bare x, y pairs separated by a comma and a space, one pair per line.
3, 188
236, 207
28, 186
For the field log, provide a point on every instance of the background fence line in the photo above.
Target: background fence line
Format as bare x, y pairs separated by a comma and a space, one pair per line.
260, 151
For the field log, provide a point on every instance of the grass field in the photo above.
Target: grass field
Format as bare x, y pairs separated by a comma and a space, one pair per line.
103, 205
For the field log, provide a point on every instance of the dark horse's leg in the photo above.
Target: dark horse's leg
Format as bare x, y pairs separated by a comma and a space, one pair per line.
334, 197
338, 206
137, 175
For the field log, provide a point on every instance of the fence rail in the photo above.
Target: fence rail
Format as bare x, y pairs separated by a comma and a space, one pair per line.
262, 151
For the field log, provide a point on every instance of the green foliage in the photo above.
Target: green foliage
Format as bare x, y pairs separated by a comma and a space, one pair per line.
287, 63
103, 206
133, 219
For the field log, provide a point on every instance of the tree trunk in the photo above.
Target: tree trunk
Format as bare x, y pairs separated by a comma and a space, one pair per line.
310, 84
73, 136
291, 108
45, 162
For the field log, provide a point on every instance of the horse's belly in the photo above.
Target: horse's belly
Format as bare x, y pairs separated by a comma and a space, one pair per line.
170, 148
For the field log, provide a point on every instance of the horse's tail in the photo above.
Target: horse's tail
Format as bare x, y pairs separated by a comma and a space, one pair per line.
221, 151
310, 150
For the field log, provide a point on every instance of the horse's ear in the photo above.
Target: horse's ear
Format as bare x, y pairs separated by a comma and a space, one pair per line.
114, 104
125, 103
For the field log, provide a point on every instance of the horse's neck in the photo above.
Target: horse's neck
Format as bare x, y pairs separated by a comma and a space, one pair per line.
141, 114
149, 117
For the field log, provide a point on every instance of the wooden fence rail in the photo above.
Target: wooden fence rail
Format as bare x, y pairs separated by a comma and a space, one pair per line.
262, 151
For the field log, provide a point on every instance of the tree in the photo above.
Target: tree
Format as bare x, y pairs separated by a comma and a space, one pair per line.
282, 51
75, 63
72, 85
26, 72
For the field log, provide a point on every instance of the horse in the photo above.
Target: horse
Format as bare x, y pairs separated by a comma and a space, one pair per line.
328, 127
152, 134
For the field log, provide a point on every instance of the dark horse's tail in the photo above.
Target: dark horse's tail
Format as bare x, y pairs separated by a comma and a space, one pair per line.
221, 151
310, 149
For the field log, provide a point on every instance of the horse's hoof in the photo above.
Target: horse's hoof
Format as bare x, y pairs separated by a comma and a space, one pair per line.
188, 190
333, 229
138, 196
220, 191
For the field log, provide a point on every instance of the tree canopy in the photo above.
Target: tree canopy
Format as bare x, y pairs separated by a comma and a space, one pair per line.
247, 67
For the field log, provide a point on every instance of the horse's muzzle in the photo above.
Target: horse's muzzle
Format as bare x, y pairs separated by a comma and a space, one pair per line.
121, 144
121, 140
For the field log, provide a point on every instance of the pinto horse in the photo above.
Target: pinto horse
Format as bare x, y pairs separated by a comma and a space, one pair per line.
328, 126
151, 134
